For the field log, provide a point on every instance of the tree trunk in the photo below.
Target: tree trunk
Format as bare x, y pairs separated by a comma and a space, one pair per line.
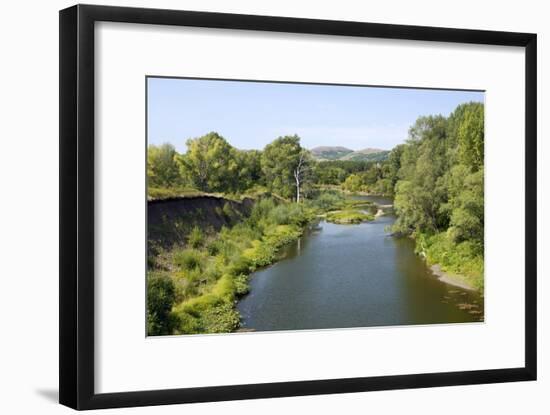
297, 177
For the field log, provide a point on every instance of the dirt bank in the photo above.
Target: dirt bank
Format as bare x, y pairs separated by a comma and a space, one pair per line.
170, 221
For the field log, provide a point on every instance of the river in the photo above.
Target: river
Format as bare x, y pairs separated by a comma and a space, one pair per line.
338, 276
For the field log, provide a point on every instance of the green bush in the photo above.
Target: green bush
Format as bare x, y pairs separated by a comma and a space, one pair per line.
195, 238
288, 214
241, 284
261, 210
160, 299
328, 201
259, 255
223, 318
214, 247
188, 259
464, 260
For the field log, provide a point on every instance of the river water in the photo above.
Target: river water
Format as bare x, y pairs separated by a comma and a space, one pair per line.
339, 276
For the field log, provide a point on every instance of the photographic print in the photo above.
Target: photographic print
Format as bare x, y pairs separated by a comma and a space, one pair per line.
292, 206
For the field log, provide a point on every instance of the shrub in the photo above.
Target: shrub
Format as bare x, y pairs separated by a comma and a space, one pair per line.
188, 259
260, 254
328, 201
160, 299
348, 217
229, 212
195, 238
463, 259
261, 210
241, 284
222, 318
214, 247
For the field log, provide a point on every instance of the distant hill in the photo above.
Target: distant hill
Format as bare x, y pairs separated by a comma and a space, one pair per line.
343, 153
330, 153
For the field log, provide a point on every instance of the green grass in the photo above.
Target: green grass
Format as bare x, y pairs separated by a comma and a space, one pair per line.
195, 238
348, 217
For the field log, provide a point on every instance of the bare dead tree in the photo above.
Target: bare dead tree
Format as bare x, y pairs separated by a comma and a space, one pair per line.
300, 171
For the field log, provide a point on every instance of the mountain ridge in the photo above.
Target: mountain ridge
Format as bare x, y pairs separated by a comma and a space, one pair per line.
323, 153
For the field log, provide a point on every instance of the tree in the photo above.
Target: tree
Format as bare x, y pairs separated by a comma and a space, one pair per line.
286, 166
162, 168
250, 169
471, 136
439, 183
301, 170
394, 164
420, 190
352, 183
466, 205
210, 163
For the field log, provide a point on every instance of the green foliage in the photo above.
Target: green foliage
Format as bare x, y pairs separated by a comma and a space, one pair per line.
284, 214
214, 247
353, 183
465, 204
160, 298
348, 217
470, 136
162, 169
195, 238
210, 163
241, 284
327, 201
250, 169
188, 259
439, 192
287, 167
464, 260
382, 186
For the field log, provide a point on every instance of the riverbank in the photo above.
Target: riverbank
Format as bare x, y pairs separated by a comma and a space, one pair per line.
450, 279
460, 264
193, 287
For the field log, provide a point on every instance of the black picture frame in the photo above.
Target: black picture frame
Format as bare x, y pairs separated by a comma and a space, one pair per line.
76, 279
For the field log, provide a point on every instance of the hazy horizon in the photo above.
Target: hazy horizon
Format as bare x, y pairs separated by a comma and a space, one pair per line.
250, 115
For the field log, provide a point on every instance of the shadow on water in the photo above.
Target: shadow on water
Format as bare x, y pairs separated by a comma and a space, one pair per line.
339, 276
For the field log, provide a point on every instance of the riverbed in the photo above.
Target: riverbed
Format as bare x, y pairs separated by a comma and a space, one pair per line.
339, 276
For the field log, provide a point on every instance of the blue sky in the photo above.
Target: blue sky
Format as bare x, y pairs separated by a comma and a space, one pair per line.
252, 114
